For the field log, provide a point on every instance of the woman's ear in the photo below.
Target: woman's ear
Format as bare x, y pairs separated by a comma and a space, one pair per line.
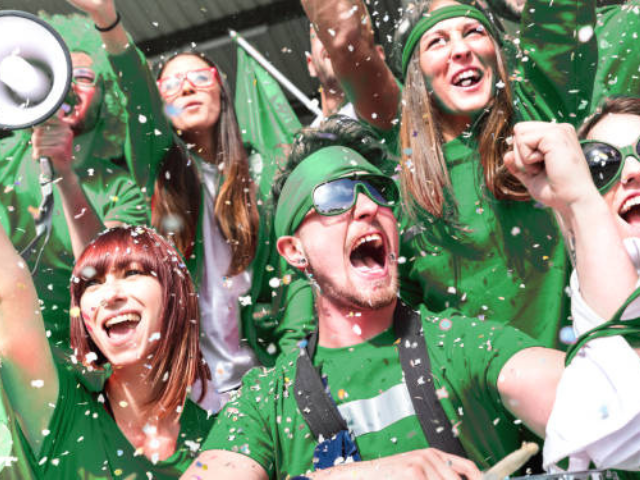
291, 249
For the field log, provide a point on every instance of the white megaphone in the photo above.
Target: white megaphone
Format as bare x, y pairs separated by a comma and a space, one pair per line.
35, 70
35, 77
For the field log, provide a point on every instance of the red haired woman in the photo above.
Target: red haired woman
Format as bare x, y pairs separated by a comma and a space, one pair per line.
195, 168
133, 307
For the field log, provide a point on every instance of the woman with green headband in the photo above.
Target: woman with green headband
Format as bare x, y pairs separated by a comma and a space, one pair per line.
472, 238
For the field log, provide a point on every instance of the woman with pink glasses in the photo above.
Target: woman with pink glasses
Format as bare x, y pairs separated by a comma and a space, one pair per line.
196, 172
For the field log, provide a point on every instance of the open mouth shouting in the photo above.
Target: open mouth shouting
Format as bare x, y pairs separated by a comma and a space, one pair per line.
629, 210
467, 78
368, 255
121, 327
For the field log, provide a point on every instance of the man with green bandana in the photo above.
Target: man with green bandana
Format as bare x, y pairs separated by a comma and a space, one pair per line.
335, 224
90, 191
489, 256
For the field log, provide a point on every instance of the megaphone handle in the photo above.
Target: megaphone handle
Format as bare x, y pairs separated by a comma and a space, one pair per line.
46, 175
45, 215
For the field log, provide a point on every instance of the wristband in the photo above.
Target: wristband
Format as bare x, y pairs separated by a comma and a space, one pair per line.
110, 27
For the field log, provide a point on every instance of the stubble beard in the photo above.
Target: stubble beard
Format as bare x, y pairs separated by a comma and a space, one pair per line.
373, 299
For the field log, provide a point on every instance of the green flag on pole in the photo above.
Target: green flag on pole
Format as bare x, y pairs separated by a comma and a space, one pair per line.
266, 119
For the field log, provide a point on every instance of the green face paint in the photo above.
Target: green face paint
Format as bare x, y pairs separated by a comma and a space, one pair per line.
320, 167
437, 16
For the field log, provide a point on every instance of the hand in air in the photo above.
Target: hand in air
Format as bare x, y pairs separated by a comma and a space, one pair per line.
547, 159
103, 12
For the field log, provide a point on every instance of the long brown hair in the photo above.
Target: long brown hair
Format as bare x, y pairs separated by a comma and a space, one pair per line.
424, 175
178, 355
176, 199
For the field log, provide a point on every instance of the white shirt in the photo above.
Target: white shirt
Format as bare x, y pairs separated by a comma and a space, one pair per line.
228, 357
347, 109
596, 415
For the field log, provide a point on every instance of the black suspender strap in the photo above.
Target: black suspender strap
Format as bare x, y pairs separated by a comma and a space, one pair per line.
317, 407
417, 375
322, 415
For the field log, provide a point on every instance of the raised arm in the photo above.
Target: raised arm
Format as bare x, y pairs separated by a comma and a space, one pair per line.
149, 132
559, 59
54, 139
344, 27
547, 158
29, 376
423, 464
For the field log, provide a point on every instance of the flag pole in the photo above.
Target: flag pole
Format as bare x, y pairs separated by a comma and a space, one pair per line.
284, 81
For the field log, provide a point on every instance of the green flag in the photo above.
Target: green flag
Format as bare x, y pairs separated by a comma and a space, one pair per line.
266, 119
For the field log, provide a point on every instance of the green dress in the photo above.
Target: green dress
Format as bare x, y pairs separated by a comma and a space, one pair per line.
505, 260
617, 33
366, 382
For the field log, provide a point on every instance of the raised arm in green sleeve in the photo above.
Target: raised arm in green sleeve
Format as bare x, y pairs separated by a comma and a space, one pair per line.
149, 132
559, 60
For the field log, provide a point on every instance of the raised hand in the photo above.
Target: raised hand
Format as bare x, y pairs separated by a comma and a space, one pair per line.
547, 159
54, 139
102, 12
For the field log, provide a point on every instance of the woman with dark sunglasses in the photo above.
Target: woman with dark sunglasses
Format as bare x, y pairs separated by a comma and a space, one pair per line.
597, 202
197, 173
472, 237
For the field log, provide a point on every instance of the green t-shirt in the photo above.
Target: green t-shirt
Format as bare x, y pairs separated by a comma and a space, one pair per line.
86, 443
466, 355
109, 189
505, 261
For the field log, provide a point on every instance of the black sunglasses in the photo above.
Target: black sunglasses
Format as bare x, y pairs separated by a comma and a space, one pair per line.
338, 196
606, 162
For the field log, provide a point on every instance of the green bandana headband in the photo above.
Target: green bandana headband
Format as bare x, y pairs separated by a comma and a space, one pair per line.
322, 166
432, 18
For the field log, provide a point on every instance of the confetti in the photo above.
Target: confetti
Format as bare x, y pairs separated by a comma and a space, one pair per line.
585, 33
567, 335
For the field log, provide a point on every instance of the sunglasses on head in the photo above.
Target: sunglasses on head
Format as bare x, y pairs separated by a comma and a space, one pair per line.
338, 196
200, 78
606, 162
